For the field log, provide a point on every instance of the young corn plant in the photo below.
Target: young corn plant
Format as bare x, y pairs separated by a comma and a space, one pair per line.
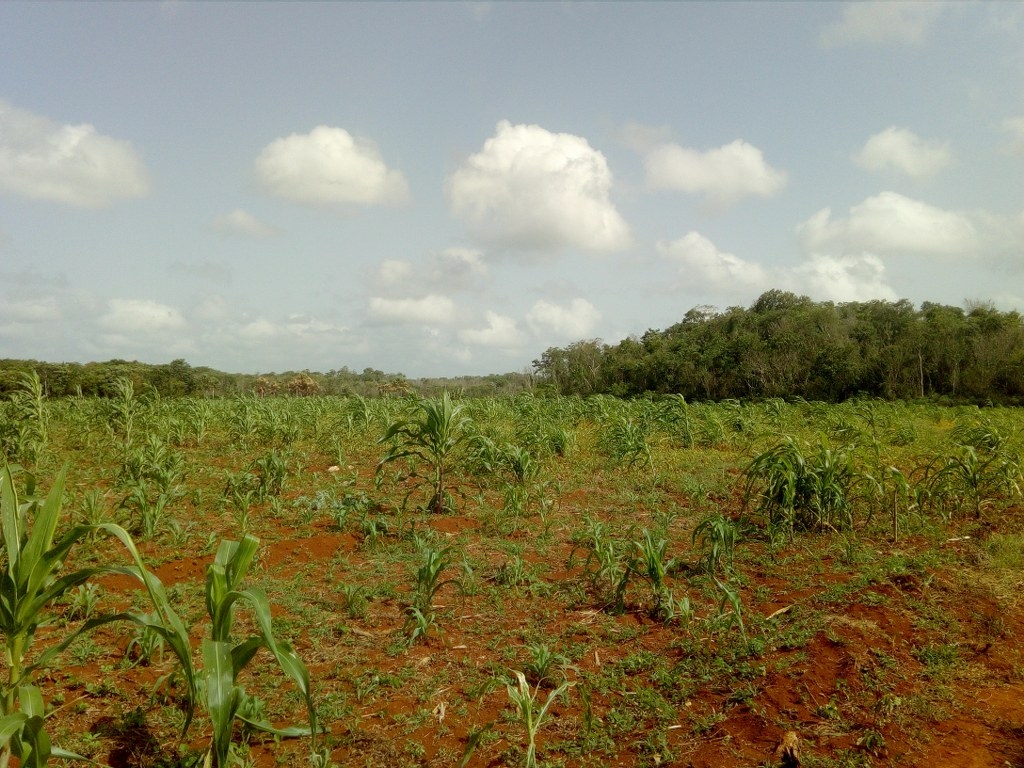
223, 659
422, 616
607, 565
27, 433
802, 492
717, 536
627, 443
433, 439
975, 477
31, 585
544, 664
649, 561
530, 712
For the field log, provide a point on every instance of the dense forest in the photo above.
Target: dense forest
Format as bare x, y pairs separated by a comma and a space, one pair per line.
783, 345
786, 345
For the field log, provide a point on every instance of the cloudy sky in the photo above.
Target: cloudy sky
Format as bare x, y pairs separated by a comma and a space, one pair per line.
444, 189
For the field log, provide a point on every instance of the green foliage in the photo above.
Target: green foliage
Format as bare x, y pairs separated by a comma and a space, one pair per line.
24, 431
785, 346
529, 712
606, 563
717, 536
434, 439
30, 585
421, 616
795, 490
224, 659
983, 469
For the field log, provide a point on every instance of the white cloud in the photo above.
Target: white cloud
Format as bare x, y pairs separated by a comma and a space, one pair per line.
530, 188
890, 223
901, 150
703, 264
882, 21
143, 326
1014, 128
240, 222
140, 317
456, 269
394, 272
453, 269
644, 138
851, 277
429, 310
723, 175
328, 167
575, 321
39, 310
501, 331
858, 277
71, 164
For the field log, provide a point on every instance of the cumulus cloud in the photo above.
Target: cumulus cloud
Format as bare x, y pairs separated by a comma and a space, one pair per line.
329, 167
723, 175
849, 277
141, 324
854, 277
71, 164
533, 189
890, 223
701, 262
140, 316
38, 310
429, 310
243, 223
1013, 127
882, 22
457, 269
394, 272
575, 321
901, 150
453, 269
501, 331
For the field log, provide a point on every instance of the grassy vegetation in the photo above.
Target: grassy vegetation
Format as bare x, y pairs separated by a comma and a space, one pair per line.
521, 581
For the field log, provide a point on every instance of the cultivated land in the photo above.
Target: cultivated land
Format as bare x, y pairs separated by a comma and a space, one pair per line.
678, 583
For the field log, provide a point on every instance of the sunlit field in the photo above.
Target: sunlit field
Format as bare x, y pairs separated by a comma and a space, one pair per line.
549, 581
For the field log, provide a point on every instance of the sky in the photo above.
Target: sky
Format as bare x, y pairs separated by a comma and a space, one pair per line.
445, 189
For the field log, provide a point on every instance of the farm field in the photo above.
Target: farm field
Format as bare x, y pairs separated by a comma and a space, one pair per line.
530, 580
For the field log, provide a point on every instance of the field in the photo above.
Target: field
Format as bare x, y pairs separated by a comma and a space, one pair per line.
509, 582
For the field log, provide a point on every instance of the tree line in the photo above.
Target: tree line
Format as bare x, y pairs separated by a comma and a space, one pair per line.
178, 379
785, 345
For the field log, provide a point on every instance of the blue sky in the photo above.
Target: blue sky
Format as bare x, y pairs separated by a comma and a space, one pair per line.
444, 189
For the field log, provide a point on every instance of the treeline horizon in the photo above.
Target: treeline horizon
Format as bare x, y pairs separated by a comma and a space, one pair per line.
789, 346
783, 345
179, 379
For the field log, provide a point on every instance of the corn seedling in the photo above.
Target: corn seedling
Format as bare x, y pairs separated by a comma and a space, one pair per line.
421, 615
434, 439
30, 584
270, 472
543, 664
731, 597
607, 565
977, 476
224, 659
627, 442
717, 536
649, 562
83, 601
27, 430
530, 712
